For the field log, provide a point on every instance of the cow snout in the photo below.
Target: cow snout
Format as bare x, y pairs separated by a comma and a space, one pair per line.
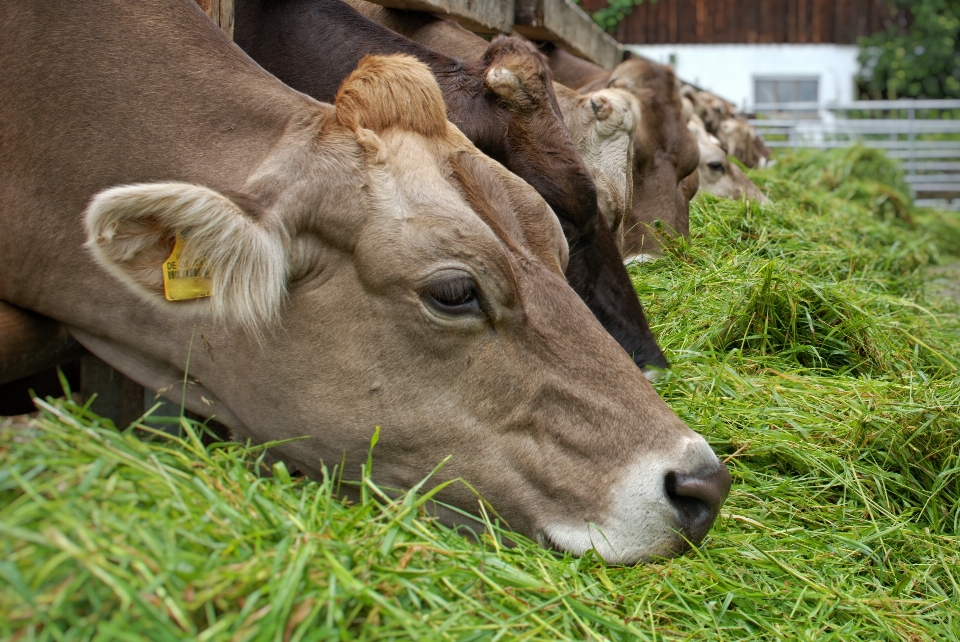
697, 498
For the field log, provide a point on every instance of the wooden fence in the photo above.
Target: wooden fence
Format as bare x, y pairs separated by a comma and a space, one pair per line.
924, 135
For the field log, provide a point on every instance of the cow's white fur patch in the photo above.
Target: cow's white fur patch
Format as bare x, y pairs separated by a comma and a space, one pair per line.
641, 522
641, 258
128, 228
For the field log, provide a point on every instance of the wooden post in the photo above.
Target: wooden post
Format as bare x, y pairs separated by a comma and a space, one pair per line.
221, 12
566, 25
31, 342
119, 398
479, 16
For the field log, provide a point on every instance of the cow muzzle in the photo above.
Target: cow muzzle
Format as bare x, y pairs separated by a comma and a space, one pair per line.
661, 506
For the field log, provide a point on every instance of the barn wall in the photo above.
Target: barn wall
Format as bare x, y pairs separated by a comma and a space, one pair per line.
750, 21
730, 70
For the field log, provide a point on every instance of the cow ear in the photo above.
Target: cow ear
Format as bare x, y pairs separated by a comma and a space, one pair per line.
601, 106
502, 82
231, 263
618, 83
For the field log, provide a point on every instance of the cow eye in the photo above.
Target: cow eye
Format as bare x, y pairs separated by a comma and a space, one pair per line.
454, 296
716, 166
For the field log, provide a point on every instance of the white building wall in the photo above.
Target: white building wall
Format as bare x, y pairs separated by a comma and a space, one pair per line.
729, 70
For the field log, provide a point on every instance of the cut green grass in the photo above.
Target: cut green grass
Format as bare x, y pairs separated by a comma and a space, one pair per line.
805, 348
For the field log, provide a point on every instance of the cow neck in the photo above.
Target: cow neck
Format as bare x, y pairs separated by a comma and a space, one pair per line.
167, 108
313, 45
572, 71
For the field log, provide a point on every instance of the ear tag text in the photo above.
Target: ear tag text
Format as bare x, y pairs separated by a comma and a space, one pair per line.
180, 282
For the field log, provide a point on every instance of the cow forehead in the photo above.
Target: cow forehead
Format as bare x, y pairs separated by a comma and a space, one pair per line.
416, 166
414, 186
447, 198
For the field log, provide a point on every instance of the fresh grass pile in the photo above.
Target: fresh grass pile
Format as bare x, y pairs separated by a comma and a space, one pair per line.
805, 347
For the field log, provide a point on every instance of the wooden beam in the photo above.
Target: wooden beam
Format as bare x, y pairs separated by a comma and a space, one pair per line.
479, 16
118, 398
30, 342
221, 12
566, 25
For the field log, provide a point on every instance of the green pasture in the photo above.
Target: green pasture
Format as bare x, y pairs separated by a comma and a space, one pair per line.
807, 347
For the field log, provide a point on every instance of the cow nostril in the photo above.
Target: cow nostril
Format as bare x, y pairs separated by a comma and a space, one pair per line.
697, 498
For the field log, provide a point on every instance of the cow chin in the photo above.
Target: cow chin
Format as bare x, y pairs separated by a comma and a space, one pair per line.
650, 516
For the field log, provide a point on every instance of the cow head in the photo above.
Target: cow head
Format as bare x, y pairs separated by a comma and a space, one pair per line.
602, 125
740, 140
377, 270
718, 176
538, 148
530, 137
664, 157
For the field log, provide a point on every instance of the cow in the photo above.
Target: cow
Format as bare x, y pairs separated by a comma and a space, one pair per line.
718, 176
602, 125
720, 119
740, 140
665, 158
502, 100
332, 268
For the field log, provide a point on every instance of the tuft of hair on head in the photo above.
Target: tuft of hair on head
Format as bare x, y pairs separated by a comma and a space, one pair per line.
386, 92
514, 45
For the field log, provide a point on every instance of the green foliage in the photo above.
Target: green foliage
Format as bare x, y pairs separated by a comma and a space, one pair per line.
616, 10
806, 348
920, 61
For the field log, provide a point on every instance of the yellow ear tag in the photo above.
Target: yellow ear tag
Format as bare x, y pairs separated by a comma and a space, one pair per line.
180, 282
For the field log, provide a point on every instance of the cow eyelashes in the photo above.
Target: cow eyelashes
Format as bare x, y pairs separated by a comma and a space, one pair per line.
454, 296
716, 166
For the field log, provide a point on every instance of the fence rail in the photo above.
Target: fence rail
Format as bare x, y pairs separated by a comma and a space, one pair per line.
923, 134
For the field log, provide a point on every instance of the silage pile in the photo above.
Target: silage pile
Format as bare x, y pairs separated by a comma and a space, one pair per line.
805, 348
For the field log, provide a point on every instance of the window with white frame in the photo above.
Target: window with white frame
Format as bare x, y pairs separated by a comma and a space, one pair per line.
771, 90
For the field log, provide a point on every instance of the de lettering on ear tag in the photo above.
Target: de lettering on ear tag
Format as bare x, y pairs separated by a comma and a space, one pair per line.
184, 282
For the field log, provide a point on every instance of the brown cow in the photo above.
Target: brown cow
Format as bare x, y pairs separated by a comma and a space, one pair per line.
366, 265
737, 137
501, 98
741, 140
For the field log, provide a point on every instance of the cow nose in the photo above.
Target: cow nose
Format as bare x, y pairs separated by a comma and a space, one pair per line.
697, 498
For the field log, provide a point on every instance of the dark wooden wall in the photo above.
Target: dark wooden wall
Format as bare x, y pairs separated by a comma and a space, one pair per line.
749, 21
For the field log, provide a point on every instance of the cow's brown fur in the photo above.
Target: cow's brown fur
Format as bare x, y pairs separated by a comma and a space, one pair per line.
392, 92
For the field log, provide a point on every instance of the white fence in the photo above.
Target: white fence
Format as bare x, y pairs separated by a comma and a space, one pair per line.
913, 131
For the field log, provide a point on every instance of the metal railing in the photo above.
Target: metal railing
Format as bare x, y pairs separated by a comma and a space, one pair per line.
914, 131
